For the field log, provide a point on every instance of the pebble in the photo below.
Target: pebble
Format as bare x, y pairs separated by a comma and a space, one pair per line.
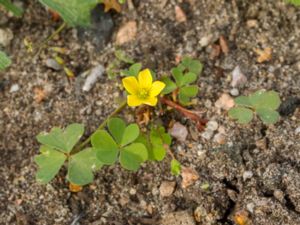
132, 191
93, 75
204, 41
234, 92
252, 23
179, 14
225, 102
207, 134
247, 175
126, 33
14, 88
297, 131
179, 131
238, 78
220, 138
207, 103
166, 188
52, 64
178, 218
212, 125
6, 36
250, 207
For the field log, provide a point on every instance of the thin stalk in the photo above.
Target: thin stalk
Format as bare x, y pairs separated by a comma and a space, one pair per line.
101, 126
56, 32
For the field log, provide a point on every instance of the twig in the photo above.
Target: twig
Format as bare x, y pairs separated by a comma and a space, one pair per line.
200, 123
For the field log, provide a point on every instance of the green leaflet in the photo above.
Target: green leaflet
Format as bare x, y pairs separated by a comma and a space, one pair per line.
12, 8
81, 167
49, 162
63, 140
4, 61
74, 12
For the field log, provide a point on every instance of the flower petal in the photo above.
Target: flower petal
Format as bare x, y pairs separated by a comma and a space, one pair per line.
152, 101
133, 100
156, 88
131, 85
145, 79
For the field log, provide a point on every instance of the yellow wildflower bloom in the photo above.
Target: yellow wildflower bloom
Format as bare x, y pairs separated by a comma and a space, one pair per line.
142, 90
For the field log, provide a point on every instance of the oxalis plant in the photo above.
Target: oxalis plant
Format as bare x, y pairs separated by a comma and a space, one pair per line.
261, 103
115, 141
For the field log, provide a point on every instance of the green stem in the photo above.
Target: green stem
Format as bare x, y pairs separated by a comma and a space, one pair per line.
101, 126
56, 32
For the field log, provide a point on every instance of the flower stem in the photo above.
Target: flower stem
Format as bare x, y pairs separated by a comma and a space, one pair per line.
101, 126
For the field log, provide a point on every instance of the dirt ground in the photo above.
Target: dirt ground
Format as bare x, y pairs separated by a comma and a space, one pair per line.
255, 174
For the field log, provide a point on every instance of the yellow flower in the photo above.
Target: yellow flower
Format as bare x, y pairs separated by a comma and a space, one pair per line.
142, 90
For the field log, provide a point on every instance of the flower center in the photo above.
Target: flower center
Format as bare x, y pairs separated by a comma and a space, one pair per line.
143, 94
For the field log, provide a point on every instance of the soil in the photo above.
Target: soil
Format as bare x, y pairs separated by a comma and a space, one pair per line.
253, 176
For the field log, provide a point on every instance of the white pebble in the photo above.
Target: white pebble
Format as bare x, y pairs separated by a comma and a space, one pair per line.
212, 125
93, 76
234, 92
297, 131
14, 88
247, 175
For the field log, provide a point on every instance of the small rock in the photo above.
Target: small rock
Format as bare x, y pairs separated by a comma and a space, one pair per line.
207, 134
204, 41
6, 35
238, 78
126, 33
14, 88
189, 176
52, 64
179, 15
200, 213
220, 138
179, 131
212, 125
167, 188
207, 103
252, 23
224, 102
279, 195
250, 207
297, 131
92, 77
178, 218
234, 92
132, 191
247, 175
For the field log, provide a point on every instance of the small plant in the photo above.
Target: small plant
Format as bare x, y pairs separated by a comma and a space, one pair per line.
184, 75
263, 103
4, 61
294, 2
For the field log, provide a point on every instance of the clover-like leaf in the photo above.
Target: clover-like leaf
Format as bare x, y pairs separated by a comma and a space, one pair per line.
183, 99
170, 85
243, 101
178, 76
158, 139
116, 127
49, 161
132, 156
106, 148
189, 91
242, 114
131, 133
294, 2
265, 99
4, 61
74, 12
175, 167
189, 78
268, 116
133, 70
62, 140
81, 167
192, 65
8, 5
